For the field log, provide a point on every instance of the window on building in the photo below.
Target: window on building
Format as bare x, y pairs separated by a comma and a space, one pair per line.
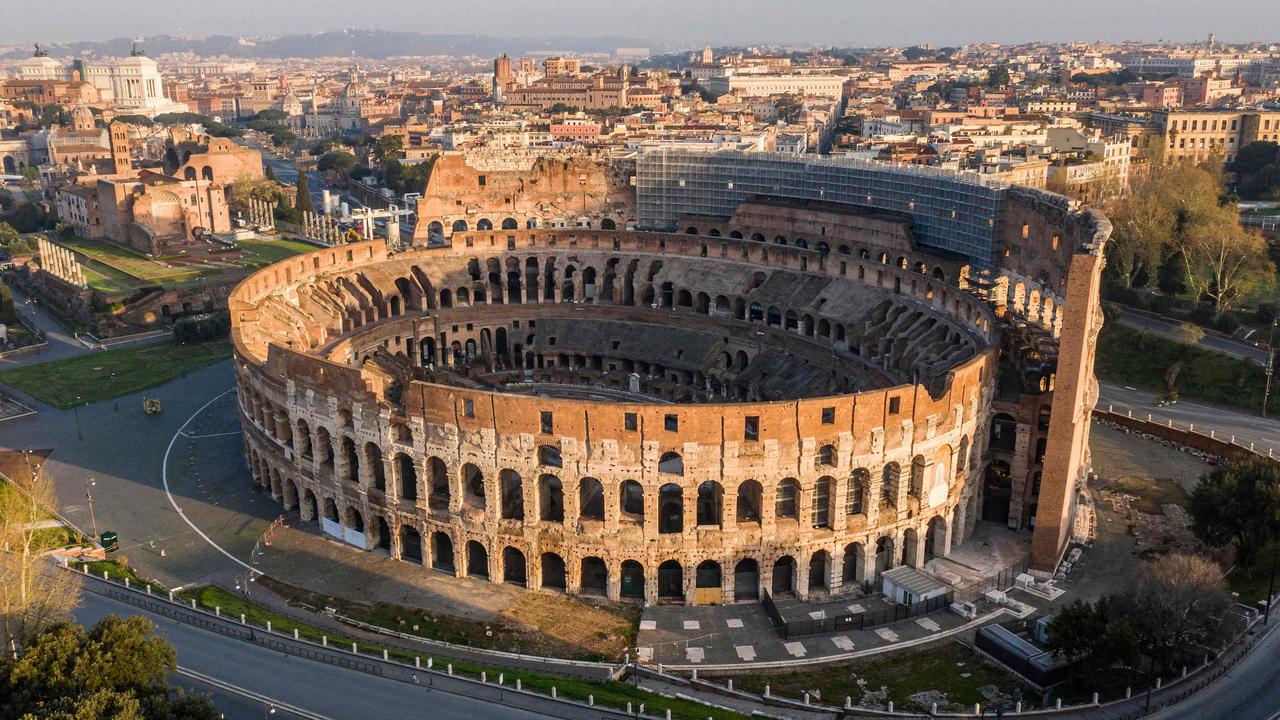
751, 428
630, 422
671, 422
828, 416
469, 408
547, 422
895, 405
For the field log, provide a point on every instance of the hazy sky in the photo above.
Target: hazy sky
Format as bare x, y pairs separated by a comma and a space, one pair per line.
691, 22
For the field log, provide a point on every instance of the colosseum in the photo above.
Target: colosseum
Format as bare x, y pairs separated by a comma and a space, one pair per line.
682, 376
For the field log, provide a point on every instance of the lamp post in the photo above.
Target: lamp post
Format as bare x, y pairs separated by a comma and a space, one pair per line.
1271, 361
88, 493
75, 410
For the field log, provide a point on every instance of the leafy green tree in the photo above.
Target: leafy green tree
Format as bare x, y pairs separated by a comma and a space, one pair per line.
269, 173
998, 76
1097, 631
1255, 156
6, 200
388, 147
337, 161
303, 201
1238, 504
28, 217
117, 669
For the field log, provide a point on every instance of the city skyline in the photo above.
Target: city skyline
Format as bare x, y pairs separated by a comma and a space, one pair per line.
721, 22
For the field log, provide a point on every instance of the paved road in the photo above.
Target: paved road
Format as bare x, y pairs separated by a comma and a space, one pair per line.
1250, 691
61, 343
330, 691
1168, 329
1224, 422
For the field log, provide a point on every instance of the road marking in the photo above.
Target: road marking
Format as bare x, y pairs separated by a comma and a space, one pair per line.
243, 692
164, 478
197, 437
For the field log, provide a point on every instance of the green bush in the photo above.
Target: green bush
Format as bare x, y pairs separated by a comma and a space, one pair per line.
204, 327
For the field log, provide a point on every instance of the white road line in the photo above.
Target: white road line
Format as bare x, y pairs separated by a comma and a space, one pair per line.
245, 693
164, 477
197, 437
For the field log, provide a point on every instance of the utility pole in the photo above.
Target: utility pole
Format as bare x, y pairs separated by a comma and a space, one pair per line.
1271, 361
88, 493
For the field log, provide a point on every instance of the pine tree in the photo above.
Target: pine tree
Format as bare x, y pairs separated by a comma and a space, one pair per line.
303, 202
271, 174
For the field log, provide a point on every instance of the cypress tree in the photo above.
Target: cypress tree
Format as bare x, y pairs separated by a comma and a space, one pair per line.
303, 202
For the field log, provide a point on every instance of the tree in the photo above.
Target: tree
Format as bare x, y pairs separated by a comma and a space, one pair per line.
1225, 262
1176, 605
32, 594
998, 76
1140, 226
336, 160
1238, 504
388, 147
1094, 630
119, 668
28, 217
303, 201
246, 188
269, 173
1255, 156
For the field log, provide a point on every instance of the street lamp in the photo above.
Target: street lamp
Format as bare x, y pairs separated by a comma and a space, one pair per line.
75, 409
1271, 361
88, 493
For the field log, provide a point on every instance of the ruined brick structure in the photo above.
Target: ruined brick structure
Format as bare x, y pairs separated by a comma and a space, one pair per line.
689, 416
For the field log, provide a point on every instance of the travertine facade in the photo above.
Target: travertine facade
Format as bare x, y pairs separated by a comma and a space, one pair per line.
658, 416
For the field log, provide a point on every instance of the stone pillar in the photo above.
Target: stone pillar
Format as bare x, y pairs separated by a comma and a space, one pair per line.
613, 586
396, 550
913, 553
497, 567
802, 577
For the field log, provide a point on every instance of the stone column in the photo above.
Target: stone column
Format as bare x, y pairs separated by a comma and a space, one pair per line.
802, 576
613, 587
393, 527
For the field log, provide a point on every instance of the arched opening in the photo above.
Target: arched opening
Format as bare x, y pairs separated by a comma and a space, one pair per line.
774, 316
407, 476
784, 576
632, 580
309, 506
884, 554
512, 490
510, 224
1004, 432
707, 575
550, 499
710, 500
438, 476
477, 559
330, 510
821, 511
935, 539
382, 531
590, 499
787, 503
750, 501
324, 448
354, 520
916, 488
594, 577
819, 571
473, 486
755, 313
513, 567
553, 573
997, 491
459, 225
631, 500
353, 460
608, 224
442, 552
671, 463
827, 456
889, 481
854, 557
670, 509
410, 544
670, 581
856, 497
746, 580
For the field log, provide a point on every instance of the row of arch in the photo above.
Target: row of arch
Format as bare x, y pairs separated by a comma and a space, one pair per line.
857, 564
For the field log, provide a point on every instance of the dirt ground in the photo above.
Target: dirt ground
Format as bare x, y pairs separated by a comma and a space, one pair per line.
596, 628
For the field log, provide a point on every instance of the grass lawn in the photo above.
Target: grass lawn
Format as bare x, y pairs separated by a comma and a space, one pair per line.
129, 262
1130, 356
952, 668
89, 376
261, 253
1251, 582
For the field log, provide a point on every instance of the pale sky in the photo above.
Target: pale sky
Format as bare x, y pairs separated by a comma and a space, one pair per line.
687, 22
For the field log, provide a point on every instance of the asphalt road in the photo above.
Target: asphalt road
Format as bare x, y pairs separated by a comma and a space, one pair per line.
1168, 329
1223, 422
61, 343
1250, 691
326, 690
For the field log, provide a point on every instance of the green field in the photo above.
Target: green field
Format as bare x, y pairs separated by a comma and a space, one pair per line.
132, 263
260, 253
1130, 356
99, 376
